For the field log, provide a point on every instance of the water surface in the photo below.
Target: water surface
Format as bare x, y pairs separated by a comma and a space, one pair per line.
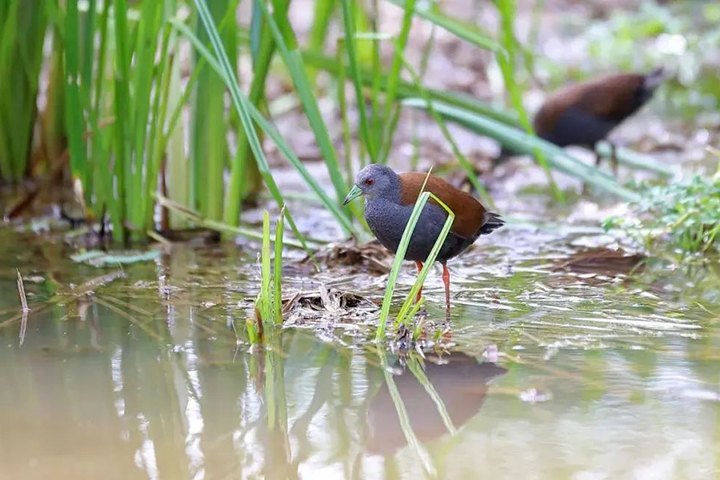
544, 374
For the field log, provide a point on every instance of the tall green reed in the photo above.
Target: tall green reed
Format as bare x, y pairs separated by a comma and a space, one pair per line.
507, 63
22, 33
209, 136
116, 106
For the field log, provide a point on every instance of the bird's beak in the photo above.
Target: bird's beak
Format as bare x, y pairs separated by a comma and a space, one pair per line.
354, 193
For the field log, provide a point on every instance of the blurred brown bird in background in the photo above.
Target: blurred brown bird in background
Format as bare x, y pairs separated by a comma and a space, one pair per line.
584, 113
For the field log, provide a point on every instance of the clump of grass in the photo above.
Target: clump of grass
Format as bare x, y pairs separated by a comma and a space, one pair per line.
400, 256
684, 217
268, 305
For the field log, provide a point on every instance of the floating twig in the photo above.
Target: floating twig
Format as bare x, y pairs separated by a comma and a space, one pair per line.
25, 308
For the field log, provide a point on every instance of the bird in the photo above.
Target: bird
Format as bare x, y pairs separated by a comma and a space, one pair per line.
584, 113
389, 201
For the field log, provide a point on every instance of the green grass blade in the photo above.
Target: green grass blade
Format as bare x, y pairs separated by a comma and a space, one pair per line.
287, 46
123, 102
410, 299
400, 257
11, 80
73, 109
507, 64
209, 148
465, 31
277, 138
265, 292
466, 165
277, 271
321, 21
241, 105
348, 15
408, 89
394, 76
244, 175
196, 218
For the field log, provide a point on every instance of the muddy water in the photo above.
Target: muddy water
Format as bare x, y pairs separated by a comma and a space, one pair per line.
545, 373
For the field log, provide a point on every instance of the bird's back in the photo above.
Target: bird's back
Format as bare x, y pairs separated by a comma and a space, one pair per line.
470, 214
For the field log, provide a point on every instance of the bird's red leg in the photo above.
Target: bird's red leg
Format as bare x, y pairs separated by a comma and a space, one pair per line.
419, 294
446, 281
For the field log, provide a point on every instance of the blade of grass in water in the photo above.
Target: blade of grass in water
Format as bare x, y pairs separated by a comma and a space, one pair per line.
241, 105
342, 102
198, 219
209, 126
348, 15
22, 32
277, 273
265, 292
73, 109
376, 121
244, 176
321, 21
123, 171
143, 71
410, 299
400, 257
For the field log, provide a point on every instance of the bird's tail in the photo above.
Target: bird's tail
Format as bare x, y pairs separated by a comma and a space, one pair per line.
654, 79
493, 221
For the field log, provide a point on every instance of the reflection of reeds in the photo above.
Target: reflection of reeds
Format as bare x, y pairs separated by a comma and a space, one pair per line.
24, 305
410, 437
416, 368
21, 292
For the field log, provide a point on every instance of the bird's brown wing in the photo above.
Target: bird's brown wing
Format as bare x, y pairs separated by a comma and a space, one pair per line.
609, 97
469, 213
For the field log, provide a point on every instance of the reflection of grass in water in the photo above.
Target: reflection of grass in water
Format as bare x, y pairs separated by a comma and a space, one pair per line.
403, 417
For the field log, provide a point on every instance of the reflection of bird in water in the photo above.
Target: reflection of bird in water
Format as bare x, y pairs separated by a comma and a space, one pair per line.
461, 383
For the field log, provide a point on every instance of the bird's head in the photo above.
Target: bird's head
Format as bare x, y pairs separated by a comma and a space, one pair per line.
374, 181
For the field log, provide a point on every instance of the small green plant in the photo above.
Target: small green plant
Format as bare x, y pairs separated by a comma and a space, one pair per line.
268, 304
684, 216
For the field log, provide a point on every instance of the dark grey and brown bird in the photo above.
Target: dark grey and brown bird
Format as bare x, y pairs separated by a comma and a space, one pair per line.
584, 113
389, 202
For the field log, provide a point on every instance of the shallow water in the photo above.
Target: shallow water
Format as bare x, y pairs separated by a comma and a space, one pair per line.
545, 373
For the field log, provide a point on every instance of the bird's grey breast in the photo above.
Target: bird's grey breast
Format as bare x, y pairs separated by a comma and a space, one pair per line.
388, 220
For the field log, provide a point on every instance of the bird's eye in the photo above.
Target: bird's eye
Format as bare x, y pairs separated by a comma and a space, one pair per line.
369, 182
